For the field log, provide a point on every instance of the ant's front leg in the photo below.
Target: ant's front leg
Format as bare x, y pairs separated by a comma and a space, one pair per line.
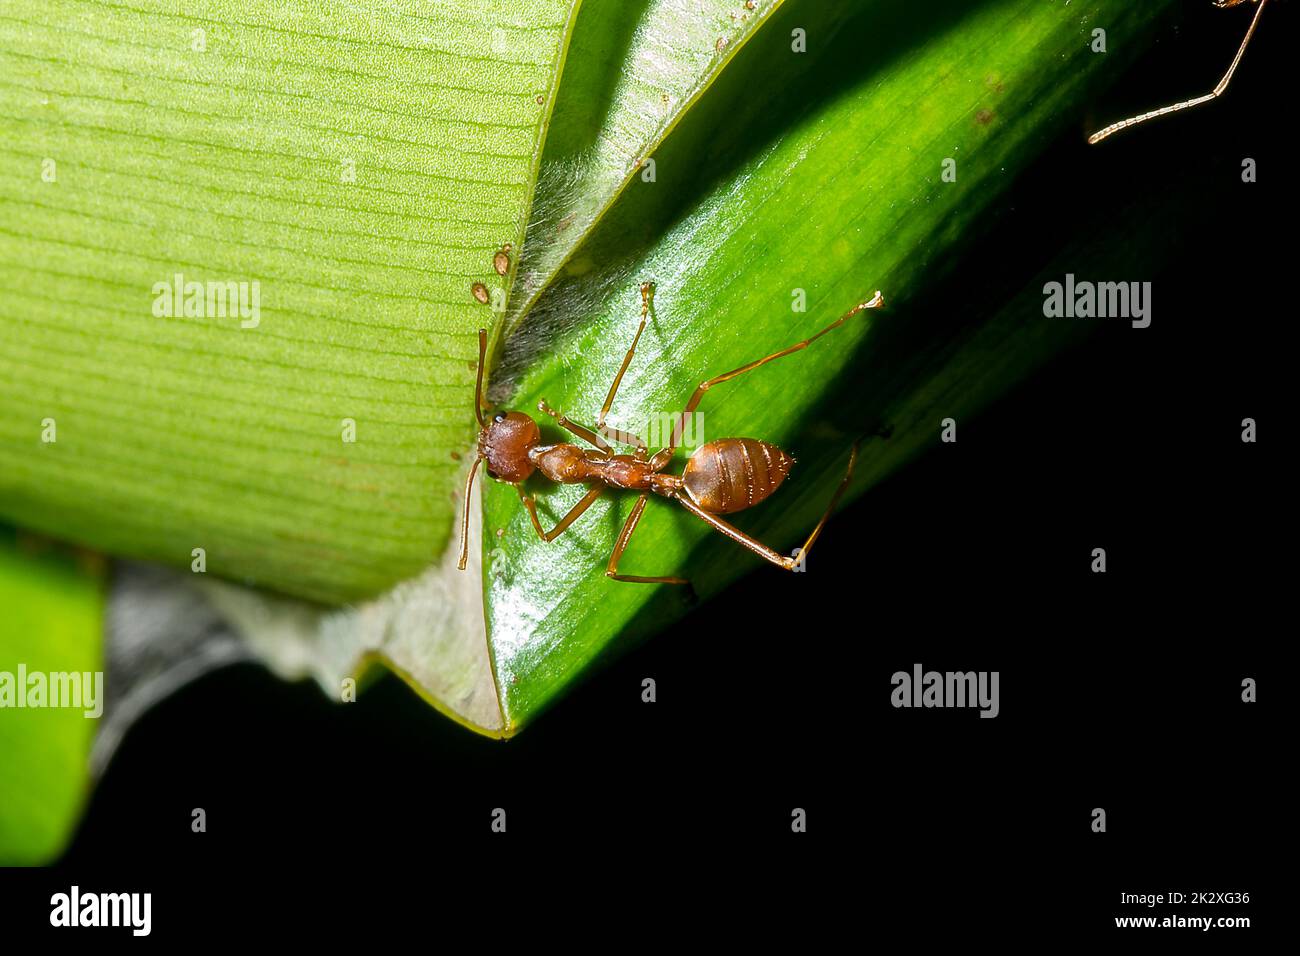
530, 503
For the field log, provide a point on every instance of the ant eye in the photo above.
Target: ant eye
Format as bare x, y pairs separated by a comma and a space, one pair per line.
499, 417
492, 474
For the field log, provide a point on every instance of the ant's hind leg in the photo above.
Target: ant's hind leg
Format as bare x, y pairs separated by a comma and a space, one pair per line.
611, 570
665, 455
762, 550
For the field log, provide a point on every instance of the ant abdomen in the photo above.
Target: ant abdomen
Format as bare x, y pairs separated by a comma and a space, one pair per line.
732, 474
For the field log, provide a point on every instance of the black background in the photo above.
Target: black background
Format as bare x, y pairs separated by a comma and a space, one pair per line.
1119, 690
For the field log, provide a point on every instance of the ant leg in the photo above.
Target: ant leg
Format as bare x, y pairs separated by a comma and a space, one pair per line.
627, 438
762, 550
665, 455
591, 437
611, 570
647, 298
1218, 91
586, 434
575, 512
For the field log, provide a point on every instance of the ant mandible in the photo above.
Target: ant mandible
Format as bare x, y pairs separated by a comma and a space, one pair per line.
1218, 91
720, 477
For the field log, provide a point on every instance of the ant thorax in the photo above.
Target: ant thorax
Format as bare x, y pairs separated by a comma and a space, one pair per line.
570, 464
566, 464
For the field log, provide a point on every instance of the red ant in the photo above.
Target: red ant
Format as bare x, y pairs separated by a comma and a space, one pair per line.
1218, 91
720, 477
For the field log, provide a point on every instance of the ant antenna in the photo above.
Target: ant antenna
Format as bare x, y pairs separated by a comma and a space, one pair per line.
469, 482
478, 385
1097, 137
464, 521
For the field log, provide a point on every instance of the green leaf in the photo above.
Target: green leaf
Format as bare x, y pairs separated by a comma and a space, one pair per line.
358, 166
818, 172
635, 68
51, 623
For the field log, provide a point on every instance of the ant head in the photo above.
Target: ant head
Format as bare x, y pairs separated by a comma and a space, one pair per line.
504, 443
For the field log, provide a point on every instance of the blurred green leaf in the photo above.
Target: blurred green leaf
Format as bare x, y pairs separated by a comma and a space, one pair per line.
51, 622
